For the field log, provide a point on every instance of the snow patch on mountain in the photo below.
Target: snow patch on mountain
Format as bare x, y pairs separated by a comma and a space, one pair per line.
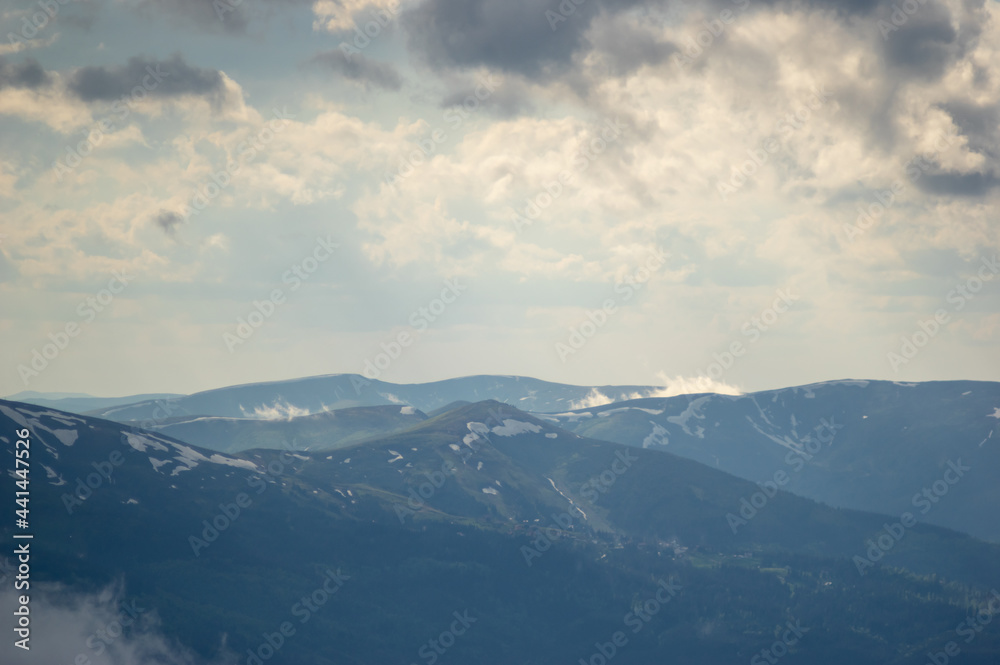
478, 428
407, 410
392, 398
141, 441
693, 410
66, 436
568, 416
657, 436
14, 415
514, 427
571, 502
51, 474
652, 412
231, 461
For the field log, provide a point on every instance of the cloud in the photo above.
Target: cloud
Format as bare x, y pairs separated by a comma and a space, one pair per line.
159, 78
681, 385
511, 35
950, 183
28, 74
672, 386
222, 16
925, 44
105, 628
344, 15
594, 398
626, 45
511, 98
168, 221
359, 68
277, 411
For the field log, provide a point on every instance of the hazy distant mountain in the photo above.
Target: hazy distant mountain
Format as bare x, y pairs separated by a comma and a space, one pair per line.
81, 402
319, 431
28, 395
441, 519
279, 399
868, 445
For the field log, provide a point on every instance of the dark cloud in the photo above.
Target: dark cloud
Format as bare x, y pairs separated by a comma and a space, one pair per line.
951, 183
510, 35
626, 48
538, 38
504, 98
168, 221
924, 45
980, 125
159, 78
27, 74
204, 15
359, 68
216, 16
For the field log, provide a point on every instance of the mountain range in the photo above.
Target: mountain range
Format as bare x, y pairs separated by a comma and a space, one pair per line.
540, 536
878, 446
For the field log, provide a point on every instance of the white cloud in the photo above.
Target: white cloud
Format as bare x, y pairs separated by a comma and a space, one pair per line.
681, 385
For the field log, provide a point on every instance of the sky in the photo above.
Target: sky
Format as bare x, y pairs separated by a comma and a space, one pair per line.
728, 195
